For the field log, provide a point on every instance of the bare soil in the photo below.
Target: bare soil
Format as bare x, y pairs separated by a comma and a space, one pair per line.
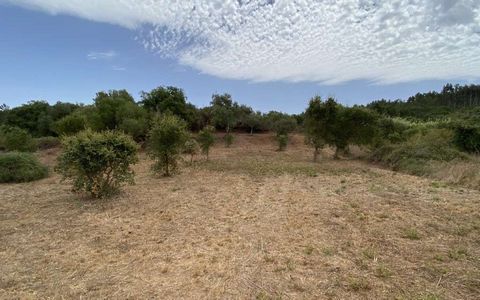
252, 223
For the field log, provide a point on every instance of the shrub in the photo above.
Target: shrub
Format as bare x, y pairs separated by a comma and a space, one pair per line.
20, 167
191, 148
228, 138
282, 140
98, 163
206, 139
47, 142
16, 139
419, 151
70, 124
467, 138
165, 142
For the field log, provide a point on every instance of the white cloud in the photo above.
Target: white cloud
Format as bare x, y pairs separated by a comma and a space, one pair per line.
300, 40
118, 68
101, 55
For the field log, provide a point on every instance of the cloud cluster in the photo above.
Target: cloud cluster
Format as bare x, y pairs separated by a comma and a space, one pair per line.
101, 55
330, 41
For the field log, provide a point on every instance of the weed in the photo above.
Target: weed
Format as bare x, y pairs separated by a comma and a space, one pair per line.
411, 234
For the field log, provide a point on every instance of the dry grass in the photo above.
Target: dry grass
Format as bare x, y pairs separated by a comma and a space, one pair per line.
251, 224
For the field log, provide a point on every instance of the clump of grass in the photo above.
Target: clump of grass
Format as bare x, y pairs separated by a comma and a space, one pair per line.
411, 234
309, 250
369, 253
383, 271
458, 253
20, 167
358, 284
328, 251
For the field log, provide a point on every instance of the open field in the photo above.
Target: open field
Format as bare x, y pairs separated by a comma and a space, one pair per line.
252, 223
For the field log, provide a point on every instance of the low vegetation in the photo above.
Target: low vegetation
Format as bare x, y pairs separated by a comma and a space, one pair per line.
20, 167
97, 163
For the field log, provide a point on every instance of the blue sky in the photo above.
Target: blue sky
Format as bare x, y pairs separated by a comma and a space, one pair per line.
52, 52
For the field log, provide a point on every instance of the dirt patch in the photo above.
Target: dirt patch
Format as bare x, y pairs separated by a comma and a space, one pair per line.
252, 223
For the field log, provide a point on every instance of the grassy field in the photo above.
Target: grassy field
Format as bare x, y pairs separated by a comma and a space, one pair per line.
251, 223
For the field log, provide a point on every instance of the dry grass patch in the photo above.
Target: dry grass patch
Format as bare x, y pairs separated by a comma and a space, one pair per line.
233, 232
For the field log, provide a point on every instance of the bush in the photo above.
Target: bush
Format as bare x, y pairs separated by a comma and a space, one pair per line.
228, 138
165, 142
70, 124
206, 139
282, 140
16, 139
467, 138
416, 154
47, 142
20, 167
191, 148
98, 163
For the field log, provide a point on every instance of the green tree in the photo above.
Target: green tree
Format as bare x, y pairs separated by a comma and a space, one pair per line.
206, 139
315, 126
108, 104
253, 121
98, 162
283, 127
166, 99
165, 141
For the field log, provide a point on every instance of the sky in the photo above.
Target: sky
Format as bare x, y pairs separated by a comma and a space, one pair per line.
269, 54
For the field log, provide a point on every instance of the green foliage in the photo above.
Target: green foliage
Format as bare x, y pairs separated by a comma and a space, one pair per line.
467, 138
224, 111
20, 167
98, 163
70, 124
47, 142
165, 99
109, 105
228, 139
253, 121
165, 141
419, 151
16, 139
282, 140
316, 126
191, 148
206, 139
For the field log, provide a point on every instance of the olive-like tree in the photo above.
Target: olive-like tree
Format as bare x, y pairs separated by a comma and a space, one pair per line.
166, 140
206, 139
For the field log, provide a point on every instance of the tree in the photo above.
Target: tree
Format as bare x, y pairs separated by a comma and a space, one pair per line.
315, 126
224, 111
165, 142
253, 121
165, 99
282, 128
98, 162
108, 105
206, 139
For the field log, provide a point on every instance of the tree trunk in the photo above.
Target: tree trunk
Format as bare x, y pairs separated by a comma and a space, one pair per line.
337, 151
315, 154
251, 130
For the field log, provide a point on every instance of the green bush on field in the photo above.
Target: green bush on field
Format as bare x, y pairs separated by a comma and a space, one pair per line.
47, 142
165, 143
20, 167
206, 139
417, 153
16, 139
282, 140
98, 162
467, 138
191, 148
228, 139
